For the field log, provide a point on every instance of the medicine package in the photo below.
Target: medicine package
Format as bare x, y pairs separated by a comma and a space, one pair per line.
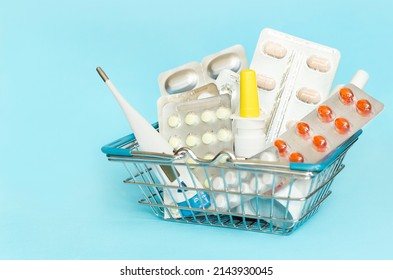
194, 74
293, 75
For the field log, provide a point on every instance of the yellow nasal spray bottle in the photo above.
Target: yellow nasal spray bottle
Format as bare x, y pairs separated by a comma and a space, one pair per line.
249, 121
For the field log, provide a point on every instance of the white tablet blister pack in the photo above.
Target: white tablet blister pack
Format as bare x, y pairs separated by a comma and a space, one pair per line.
194, 74
293, 75
203, 125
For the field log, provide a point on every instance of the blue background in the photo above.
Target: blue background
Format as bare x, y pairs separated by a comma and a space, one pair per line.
59, 196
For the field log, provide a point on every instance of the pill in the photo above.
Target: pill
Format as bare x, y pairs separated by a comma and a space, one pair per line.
209, 138
218, 183
318, 63
191, 119
223, 113
231, 178
342, 125
290, 123
275, 50
175, 142
224, 135
303, 129
268, 156
255, 184
174, 121
209, 156
281, 146
363, 107
325, 113
208, 116
346, 96
265, 82
296, 157
226, 202
308, 95
192, 140
320, 143
245, 188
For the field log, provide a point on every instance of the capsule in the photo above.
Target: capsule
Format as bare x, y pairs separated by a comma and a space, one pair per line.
303, 129
265, 82
342, 125
174, 121
191, 119
325, 113
320, 143
275, 50
363, 107
346, 96
308, 95
318, 63
296, 157
209, 138
281, 146
192, 140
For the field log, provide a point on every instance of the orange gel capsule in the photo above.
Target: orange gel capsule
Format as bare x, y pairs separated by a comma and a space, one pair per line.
303, 129
325, 113
296, 157
320, 143
346, 96
342, 125
363, 107
281, 146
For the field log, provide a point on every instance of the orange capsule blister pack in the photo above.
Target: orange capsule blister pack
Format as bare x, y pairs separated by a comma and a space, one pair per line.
328, 126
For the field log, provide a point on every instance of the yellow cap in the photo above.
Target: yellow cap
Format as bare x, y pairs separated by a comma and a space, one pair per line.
249, 103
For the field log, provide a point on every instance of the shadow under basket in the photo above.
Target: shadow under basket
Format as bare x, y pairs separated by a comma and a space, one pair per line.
233, 193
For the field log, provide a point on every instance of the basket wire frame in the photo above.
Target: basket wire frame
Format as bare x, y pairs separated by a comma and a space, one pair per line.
279, 201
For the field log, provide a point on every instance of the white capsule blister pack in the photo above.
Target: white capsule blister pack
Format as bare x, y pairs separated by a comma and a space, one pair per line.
203, 125
194, 74
328, 126
293, 75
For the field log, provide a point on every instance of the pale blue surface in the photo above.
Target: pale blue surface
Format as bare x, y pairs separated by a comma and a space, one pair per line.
61, 199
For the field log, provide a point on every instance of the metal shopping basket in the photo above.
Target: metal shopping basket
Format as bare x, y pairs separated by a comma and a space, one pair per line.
243, 194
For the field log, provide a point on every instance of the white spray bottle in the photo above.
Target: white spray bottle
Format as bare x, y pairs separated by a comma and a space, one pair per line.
150, 140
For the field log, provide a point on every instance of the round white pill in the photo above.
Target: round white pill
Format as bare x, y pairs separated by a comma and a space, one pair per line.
191, 119
221, 202
191, 161
218, 183
231, 178
174, 121
192, 140
223, 113
246, 188
224, 135
175, 142
209, 138
208, 116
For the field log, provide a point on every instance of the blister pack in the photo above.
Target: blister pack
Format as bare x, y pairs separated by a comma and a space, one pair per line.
194, 74
293, 75
204, 125
328, 126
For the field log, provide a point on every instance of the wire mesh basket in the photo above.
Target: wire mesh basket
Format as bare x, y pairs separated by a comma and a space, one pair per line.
234, 193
